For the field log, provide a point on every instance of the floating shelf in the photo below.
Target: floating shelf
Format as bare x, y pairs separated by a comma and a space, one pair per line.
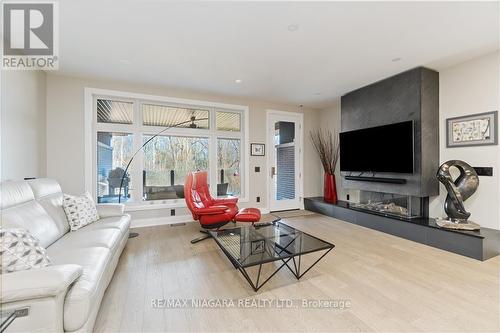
377, 179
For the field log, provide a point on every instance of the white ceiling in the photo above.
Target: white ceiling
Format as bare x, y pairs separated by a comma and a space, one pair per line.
206, 46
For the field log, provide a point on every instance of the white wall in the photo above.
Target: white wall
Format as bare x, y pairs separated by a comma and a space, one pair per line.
468, 88
23, 148
65, 133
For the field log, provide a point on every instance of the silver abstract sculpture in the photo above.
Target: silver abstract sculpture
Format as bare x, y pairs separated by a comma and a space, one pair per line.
459, 190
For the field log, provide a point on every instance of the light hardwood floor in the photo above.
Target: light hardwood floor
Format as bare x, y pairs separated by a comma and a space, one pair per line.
393, 285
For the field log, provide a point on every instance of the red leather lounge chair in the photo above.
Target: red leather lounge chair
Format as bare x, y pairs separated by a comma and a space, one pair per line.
211, 213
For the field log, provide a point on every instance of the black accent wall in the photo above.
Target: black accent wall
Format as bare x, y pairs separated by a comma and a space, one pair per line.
411, 95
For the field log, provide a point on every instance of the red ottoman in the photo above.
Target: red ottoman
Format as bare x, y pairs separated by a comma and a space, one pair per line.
248, 215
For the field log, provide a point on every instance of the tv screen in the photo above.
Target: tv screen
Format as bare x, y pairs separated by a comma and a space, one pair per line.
387, 148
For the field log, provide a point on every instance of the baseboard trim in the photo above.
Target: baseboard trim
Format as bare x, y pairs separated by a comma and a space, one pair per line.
156, 221
264, 210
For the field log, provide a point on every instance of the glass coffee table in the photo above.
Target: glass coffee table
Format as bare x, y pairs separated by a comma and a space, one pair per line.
249, 246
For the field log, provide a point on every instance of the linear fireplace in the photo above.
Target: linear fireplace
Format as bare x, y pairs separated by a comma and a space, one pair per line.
389, 204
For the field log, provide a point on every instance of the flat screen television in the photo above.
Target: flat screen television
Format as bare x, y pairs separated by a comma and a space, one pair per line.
387, 148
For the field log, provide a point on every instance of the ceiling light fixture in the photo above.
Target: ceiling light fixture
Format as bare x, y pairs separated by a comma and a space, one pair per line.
293, 27
238, 81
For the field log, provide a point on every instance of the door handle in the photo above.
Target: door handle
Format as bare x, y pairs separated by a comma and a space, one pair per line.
273, 172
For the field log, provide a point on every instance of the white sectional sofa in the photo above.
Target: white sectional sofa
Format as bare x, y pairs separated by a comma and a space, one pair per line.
66, 295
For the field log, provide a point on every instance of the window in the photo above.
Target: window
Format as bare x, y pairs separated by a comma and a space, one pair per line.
198, 136
163, 115
228, 121
167, 161
114, 151
116, 112
228, 167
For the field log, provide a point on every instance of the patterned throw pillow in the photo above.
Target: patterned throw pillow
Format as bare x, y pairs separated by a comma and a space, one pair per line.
20, 251
80, 211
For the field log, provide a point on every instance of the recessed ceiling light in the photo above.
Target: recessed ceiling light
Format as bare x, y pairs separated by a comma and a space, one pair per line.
396, 59
238, 81
293, 27
125, 61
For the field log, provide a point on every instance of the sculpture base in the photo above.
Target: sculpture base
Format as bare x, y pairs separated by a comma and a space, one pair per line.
458, 224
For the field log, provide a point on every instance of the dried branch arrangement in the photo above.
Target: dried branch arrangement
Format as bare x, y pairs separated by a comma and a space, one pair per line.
326, 143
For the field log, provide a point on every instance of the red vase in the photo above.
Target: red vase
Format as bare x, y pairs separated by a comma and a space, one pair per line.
330, 190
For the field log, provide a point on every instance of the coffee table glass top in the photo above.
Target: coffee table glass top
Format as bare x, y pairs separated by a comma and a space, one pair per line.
248, 246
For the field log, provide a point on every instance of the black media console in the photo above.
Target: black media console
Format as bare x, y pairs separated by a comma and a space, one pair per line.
481, 245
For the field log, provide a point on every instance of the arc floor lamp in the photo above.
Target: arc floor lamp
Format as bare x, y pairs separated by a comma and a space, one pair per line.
192, 124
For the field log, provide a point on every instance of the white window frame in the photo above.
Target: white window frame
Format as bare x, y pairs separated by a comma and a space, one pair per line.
138, 129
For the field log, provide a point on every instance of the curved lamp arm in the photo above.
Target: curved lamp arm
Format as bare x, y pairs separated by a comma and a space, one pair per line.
192, 121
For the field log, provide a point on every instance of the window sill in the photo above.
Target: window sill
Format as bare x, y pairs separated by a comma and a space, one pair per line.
154, 206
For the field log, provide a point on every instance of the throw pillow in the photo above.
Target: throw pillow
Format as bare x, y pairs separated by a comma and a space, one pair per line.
80, 210
20, 251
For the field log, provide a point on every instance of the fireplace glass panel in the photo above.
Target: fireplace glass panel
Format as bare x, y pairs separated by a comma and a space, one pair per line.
390, 204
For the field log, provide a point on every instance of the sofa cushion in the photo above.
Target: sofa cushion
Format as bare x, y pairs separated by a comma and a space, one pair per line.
53, 206
15, 193
48, 194
20, 210
85, 293
20, 251
84, 238
43, 187
121, 223
32, 217
80, 210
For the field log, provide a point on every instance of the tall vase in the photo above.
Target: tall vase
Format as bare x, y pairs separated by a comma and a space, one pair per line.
330, 190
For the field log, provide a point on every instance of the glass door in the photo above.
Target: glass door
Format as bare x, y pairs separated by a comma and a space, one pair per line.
284, 162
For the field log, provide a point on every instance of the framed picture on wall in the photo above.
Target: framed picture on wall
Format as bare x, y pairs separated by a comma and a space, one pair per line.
473, 130
257, 149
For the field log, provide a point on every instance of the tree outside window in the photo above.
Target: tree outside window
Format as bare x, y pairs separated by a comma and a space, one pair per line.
228, 166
